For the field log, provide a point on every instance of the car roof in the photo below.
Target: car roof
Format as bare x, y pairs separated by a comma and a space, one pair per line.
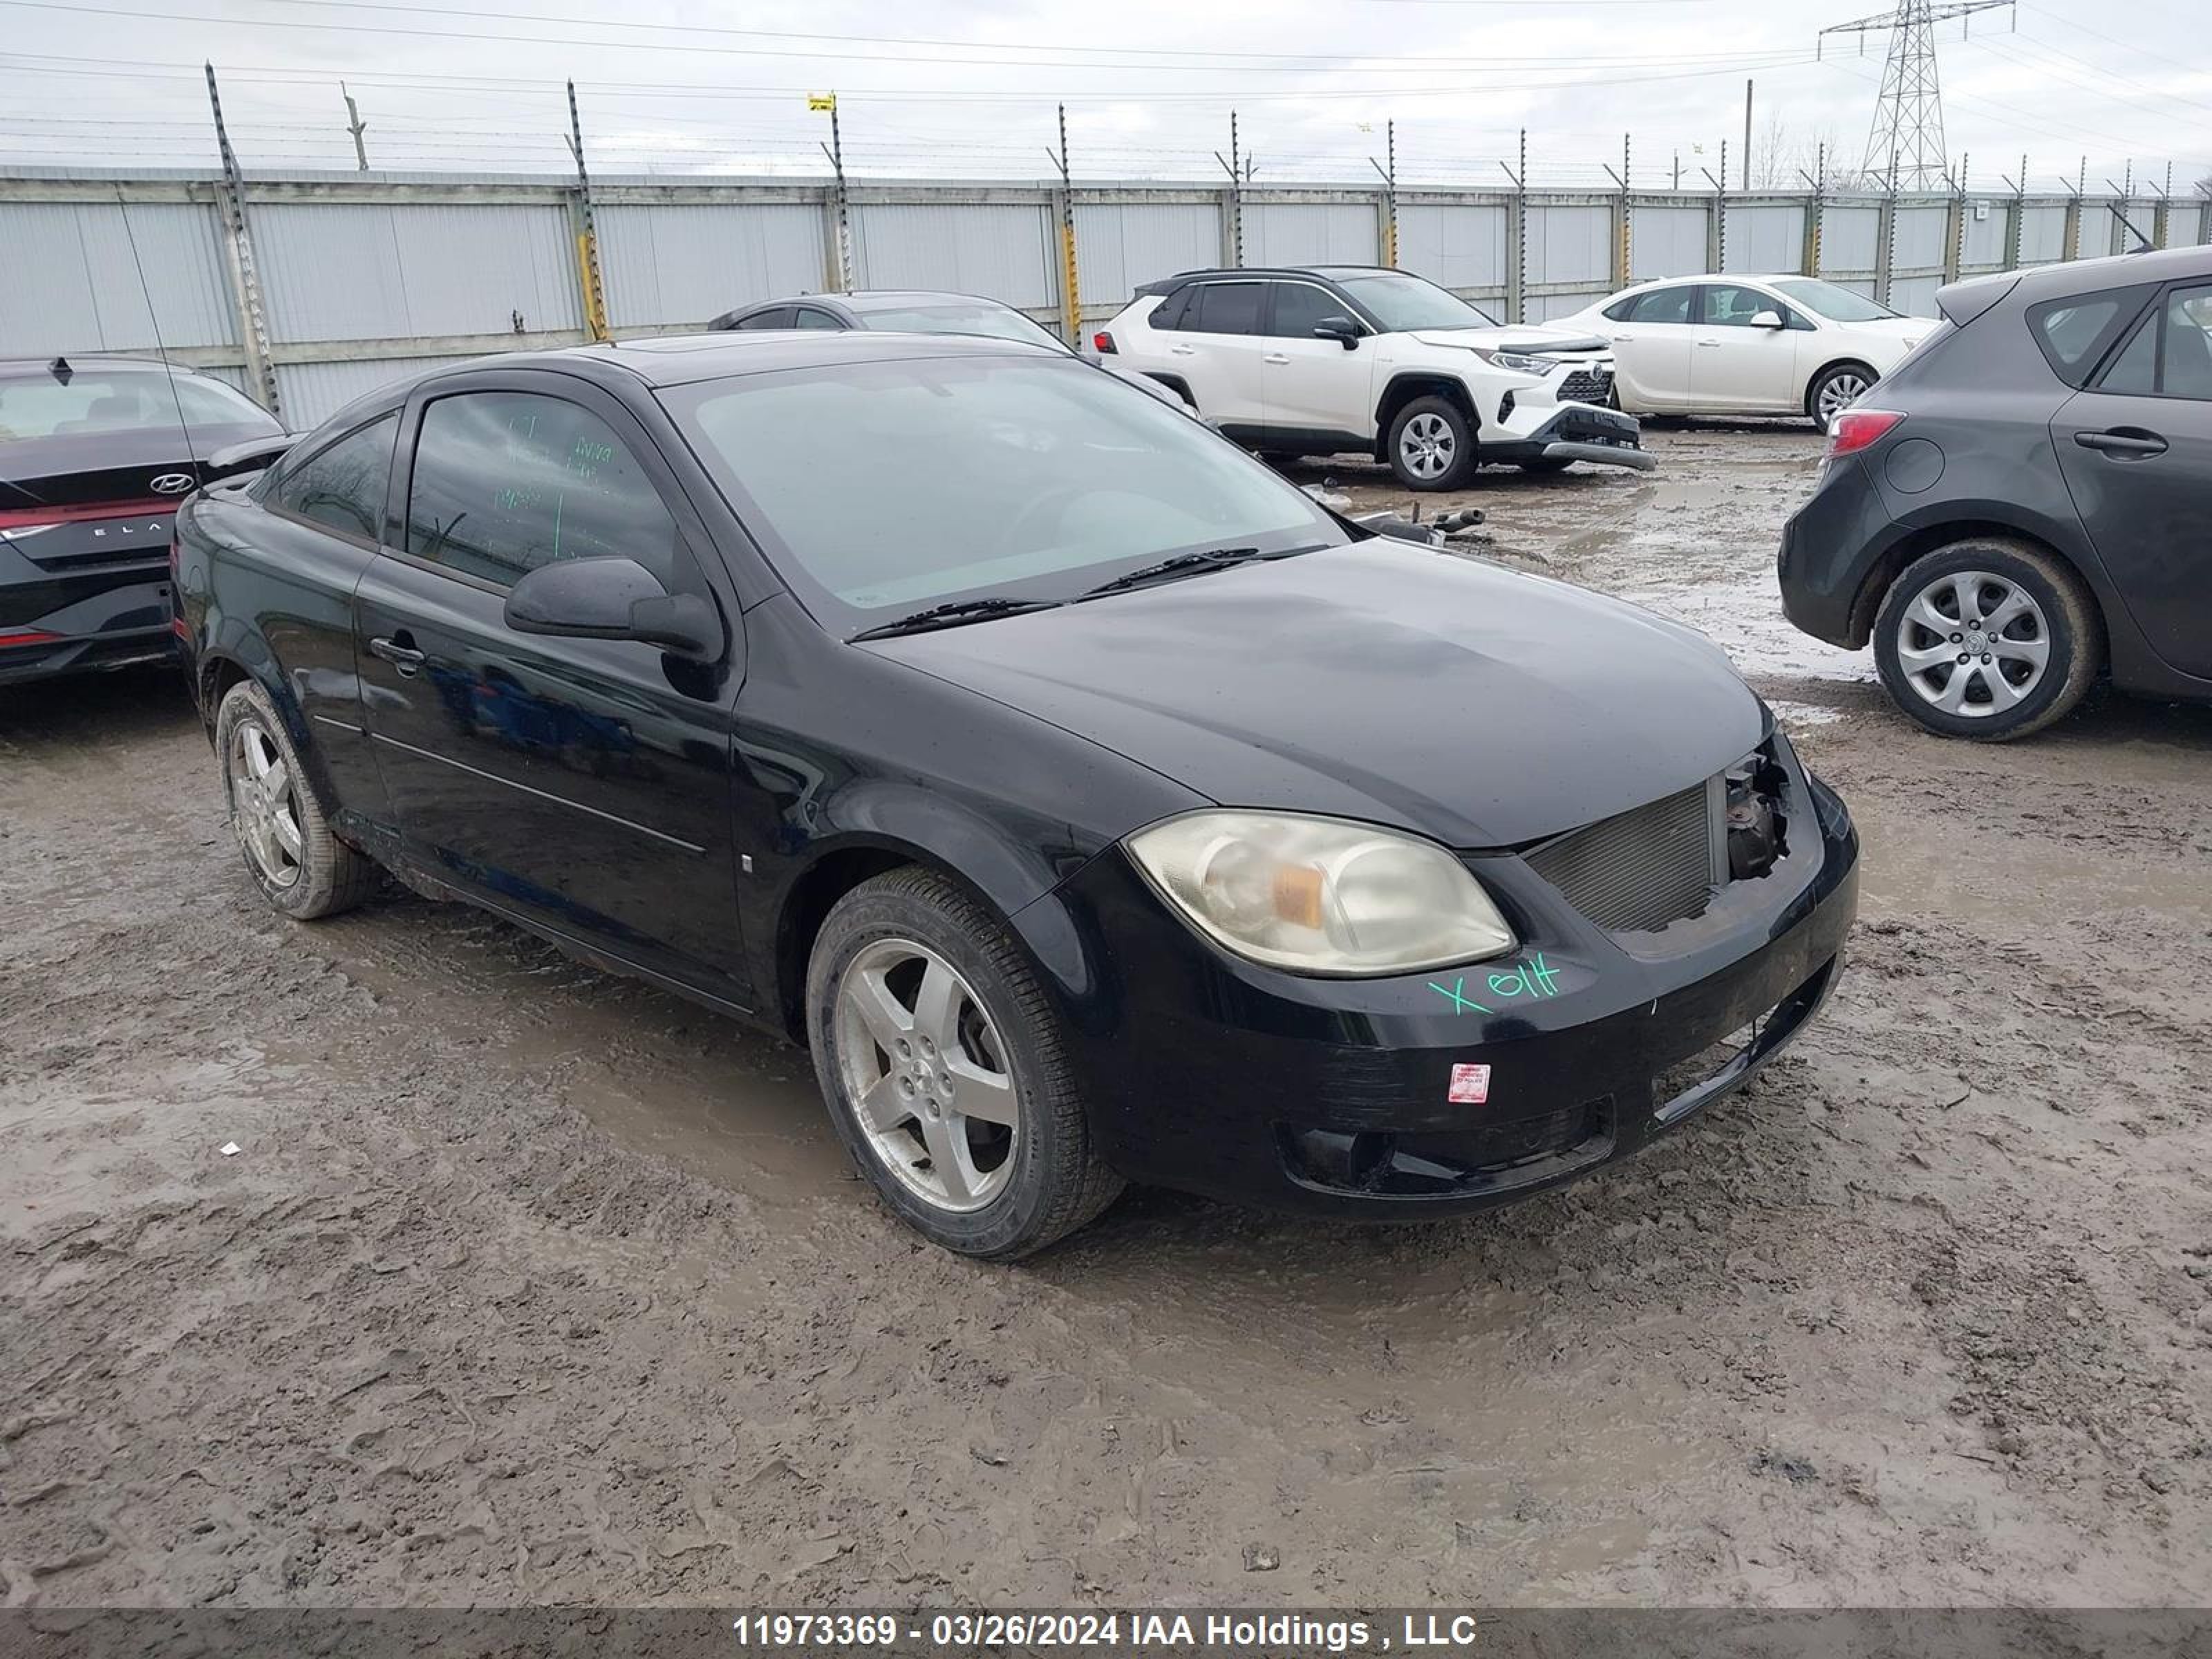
682, 359
2114, 271
79, 364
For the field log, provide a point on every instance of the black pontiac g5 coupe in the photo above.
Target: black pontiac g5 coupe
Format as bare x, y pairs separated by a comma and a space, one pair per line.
1089, 801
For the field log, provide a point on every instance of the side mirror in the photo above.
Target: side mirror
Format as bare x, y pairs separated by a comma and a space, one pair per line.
1342, 329
613, 600
1767, 319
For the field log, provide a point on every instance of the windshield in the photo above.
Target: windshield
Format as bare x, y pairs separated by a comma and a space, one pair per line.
1016, 477
995, 321
41, 406
1838, 305
1397, 302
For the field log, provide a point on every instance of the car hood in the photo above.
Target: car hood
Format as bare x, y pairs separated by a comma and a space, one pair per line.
1427, 690
1516, 337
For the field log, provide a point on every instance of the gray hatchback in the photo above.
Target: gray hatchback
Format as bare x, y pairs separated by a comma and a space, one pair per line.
2027, 502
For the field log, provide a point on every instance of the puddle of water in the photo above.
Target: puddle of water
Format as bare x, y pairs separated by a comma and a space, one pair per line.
1743, 616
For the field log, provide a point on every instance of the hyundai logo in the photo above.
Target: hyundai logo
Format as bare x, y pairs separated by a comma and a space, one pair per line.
172, 483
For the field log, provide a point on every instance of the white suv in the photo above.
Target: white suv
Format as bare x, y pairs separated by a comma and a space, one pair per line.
1325, 360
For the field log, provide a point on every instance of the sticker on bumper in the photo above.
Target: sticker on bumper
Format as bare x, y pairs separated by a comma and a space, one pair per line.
1470, 1085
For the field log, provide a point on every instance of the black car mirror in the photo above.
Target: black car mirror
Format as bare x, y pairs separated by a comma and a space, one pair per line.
1767, 319
613, 600
1342, 329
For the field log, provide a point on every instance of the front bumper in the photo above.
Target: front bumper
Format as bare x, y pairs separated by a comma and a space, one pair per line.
1212, 1075
1571, 432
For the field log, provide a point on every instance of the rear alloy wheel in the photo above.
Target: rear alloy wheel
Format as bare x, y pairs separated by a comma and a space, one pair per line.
1432, 445
942, 1062
1836, 390
302, 868
1987, 639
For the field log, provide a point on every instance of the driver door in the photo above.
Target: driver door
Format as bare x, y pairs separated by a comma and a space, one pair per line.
1316, 389
1736, 364
582, 785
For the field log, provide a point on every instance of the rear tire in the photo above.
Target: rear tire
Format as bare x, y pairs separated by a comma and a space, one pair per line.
2027, 626
283, 828
1432, 445
918, 1085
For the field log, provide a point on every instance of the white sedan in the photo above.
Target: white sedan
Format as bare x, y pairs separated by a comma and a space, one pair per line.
1748, 345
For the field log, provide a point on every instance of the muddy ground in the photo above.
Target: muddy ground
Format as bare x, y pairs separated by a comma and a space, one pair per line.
529, 1284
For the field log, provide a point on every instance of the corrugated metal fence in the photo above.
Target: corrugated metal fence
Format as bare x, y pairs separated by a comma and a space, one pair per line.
365, 277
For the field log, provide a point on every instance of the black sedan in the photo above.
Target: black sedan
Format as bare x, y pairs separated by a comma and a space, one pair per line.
2026, 502
1108, 810
94, 455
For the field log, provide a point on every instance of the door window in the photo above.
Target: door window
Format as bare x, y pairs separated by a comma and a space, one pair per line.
1727, 306
1299, 307
505, 482
342, 485
2171, 354
1226, 308
1663, 305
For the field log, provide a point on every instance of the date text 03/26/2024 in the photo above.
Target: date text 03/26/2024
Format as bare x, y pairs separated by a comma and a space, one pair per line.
1413, 1631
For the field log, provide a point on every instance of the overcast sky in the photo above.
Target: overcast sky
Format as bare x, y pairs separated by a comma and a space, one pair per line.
936, 87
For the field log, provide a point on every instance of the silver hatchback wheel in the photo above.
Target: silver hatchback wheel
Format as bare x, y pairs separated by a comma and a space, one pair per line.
1973, 644
928, 1078
265, 804
1837, 392
1427, 447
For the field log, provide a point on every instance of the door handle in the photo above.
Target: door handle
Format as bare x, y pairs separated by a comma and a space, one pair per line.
1276, 357
1709, 345
405, 658
2122, 441
1622, 339
1182, 351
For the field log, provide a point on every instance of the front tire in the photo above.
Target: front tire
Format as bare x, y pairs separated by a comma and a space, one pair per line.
1432, 445
1989, 639
945, 1072
284, 830
1835, 389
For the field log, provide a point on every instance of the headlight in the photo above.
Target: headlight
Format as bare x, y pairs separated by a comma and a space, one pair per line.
1517, 362
1321, 896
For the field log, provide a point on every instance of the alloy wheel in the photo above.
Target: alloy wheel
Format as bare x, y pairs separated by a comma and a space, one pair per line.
1973, 644
928, 1075
1838, 393
1427, 446
265, 804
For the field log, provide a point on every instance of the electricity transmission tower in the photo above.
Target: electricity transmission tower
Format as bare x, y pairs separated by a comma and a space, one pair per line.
1904, 149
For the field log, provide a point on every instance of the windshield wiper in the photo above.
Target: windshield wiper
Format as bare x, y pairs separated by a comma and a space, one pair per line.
952, 615
1182, 564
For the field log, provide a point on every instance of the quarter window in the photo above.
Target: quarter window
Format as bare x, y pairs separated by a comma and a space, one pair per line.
505, 482
813, 317
2076, 331
2171, 354
1663, 304
342, 485
774, 317
1225, 308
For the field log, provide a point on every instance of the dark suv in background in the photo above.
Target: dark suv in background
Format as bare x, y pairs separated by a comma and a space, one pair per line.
2028, 502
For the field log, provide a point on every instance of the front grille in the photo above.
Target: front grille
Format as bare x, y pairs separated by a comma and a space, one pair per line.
1640, 871
1587, 386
